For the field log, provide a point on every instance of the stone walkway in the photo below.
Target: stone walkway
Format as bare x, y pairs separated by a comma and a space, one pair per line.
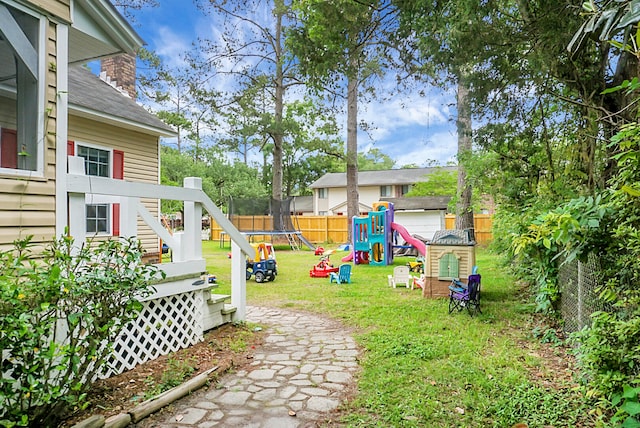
299, 376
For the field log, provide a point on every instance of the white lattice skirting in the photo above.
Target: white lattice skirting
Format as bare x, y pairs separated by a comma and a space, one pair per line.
166, 324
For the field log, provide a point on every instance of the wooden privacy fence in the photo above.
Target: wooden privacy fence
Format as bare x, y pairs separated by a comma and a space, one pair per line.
482, 224
314, 228
333, 229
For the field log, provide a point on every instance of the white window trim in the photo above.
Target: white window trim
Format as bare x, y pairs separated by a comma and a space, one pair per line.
98, 147
109, 231
42, 74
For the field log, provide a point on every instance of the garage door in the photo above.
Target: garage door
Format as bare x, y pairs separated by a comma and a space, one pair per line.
422, 223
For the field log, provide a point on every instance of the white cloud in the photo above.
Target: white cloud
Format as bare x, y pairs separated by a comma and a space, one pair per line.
171, 47
441, 146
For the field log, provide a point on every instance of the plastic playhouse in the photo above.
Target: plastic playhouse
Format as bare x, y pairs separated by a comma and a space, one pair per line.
262, 266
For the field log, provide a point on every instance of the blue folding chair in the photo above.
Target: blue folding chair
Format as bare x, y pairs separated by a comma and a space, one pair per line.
343, 275
467, 295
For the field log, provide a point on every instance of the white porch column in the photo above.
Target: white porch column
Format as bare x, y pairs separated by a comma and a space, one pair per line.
77, 206
238, 282
192, 239
129, 217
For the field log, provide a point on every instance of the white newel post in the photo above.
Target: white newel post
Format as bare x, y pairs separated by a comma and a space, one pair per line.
192, 239
238, 282
77, 206
129, 217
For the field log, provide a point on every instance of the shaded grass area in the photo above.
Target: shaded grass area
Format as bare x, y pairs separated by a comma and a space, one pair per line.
422, 366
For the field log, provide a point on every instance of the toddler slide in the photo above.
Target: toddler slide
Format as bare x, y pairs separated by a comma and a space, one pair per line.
420, 246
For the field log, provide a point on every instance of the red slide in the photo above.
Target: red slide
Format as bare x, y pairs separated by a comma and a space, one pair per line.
420, 246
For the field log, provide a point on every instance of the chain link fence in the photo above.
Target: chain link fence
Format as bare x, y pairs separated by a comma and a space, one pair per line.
579, 282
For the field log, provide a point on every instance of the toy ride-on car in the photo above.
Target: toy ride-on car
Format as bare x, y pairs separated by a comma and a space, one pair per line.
263, 266
324, 267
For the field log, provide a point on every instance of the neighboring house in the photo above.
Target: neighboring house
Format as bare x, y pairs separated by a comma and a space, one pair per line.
330, 190
302, 205
422, 216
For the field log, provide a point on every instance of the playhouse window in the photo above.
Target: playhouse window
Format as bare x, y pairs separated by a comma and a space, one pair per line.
22, 59
98, 218
448, 267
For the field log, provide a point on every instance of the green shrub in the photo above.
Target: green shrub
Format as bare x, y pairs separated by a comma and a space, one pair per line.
59, 316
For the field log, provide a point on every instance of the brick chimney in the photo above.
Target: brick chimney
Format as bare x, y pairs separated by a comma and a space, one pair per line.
120, 72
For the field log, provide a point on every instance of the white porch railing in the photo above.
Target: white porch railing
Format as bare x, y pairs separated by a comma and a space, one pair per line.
186, 247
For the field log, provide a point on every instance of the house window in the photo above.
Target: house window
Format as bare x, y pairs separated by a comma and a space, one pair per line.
385, 191
22, 58
96, 161
404, 189
98, 218
322, 193
322, 213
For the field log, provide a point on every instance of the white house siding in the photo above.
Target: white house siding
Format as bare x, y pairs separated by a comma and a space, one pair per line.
141, 161
423, 223
336, 201
321, 205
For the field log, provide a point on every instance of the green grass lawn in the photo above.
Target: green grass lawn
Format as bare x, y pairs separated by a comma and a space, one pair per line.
421, 366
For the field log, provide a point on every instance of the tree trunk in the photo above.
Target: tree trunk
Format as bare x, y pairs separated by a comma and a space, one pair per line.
276, 189
464, 209
353, 200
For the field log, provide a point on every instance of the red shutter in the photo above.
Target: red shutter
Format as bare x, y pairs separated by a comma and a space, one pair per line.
71, 148
116, 220
118, 174
118, 164
9, 148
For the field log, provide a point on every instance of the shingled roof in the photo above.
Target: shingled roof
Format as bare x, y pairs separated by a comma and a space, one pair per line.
452, 237
379, 178
90, 96
419, 203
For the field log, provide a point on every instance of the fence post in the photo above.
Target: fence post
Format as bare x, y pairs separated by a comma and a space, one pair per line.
238, 282
326, 229
580, 323
192, 239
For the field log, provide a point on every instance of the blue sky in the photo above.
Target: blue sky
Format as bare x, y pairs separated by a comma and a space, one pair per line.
410, 128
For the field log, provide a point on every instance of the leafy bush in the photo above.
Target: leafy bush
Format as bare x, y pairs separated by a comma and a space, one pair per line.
59, 316
568, 232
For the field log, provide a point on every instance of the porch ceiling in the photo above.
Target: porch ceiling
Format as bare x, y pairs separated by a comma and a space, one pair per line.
98, 30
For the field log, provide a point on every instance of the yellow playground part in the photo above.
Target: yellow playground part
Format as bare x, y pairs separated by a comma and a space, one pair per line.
264, 251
